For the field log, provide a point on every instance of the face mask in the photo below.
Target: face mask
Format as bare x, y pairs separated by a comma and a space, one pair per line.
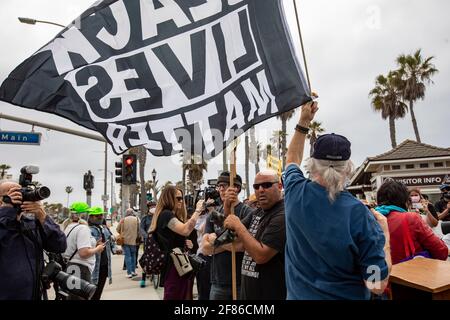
415, 199
95, 222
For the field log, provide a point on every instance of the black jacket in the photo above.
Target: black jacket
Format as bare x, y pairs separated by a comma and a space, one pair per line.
21, 253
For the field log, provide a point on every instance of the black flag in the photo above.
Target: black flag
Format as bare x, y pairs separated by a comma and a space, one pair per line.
171, 75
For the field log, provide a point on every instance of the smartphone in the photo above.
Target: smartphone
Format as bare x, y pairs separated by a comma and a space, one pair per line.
417, 206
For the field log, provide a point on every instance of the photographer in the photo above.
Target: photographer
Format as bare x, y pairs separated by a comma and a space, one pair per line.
221, 284
22, 241
443, 205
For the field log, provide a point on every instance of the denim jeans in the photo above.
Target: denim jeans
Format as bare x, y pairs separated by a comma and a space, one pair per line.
219, 292
130, 258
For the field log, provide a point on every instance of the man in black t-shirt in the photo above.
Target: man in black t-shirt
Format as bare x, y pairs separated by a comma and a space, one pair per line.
221, 283
443, 205
263, 236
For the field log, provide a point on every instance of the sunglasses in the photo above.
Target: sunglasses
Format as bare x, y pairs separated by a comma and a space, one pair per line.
265, 185
179, 198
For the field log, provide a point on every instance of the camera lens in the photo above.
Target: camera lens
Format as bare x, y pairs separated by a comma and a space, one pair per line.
43, 192
38, 194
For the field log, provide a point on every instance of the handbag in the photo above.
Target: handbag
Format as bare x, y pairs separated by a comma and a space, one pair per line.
153, 258
181, 261
409, 246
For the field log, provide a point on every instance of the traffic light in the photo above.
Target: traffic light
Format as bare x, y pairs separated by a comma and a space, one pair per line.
119, 172
88, 181
129, 169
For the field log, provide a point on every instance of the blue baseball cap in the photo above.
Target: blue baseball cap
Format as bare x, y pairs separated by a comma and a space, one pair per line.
332, 147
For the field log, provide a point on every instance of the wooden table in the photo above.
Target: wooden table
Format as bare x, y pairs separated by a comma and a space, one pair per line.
421, 279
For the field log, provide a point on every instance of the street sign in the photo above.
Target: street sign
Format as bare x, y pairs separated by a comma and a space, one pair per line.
26, 138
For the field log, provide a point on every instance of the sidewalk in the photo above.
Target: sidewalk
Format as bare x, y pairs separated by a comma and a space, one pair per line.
123, 288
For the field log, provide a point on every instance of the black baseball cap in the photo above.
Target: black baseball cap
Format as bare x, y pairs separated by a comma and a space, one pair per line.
332, 147
225, 177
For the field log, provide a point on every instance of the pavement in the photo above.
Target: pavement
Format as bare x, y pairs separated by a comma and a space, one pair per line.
123, 288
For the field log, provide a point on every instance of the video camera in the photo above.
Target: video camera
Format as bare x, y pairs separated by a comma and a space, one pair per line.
208, 193
445, 226
64, 283
31, 192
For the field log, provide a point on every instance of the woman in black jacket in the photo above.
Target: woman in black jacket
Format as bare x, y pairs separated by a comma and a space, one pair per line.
171, 228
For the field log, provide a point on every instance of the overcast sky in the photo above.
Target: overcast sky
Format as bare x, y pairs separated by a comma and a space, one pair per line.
348, 43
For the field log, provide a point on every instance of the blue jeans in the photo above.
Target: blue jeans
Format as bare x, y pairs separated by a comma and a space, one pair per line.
130, 258
219, 292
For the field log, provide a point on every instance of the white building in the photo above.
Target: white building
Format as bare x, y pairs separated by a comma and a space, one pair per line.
415, 164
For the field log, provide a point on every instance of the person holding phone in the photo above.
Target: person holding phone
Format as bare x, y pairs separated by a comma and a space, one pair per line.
419, 204
102, 235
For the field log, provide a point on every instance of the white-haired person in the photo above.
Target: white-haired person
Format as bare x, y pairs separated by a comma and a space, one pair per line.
335, 247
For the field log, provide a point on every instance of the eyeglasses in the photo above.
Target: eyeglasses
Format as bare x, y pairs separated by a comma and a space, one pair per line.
223, 186
179, 198
265, 185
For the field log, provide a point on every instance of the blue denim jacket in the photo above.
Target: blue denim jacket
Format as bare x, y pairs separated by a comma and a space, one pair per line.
110, 248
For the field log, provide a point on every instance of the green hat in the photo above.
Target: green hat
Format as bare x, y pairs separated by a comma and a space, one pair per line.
79, 207
95, 211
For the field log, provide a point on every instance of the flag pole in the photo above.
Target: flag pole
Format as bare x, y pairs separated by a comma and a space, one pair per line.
302, 46
233, 248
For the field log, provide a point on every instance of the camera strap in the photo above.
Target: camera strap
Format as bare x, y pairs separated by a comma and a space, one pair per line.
76, 248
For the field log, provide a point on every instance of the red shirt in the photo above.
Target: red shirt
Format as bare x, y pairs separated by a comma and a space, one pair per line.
421, 234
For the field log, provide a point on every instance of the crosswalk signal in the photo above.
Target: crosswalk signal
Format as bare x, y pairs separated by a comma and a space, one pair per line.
119, 171
129, 169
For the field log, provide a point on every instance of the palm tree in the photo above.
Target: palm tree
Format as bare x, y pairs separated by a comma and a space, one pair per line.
316, 129
3, 168
254, 152
247, 165
141, 154
268, 150
195, 168
415, 71
276, 140
69, 190
386, 98
258, 157
285, 117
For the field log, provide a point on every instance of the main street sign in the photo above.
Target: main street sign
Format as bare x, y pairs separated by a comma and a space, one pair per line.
26, 138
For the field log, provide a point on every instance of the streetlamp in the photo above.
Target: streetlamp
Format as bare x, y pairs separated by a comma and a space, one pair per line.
154, 175
34, 21
154, 186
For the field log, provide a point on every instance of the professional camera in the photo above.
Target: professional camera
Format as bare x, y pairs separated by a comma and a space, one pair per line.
197, 262
65, 283
447, 196
208, 193
212, 193
227, 236
29, 191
